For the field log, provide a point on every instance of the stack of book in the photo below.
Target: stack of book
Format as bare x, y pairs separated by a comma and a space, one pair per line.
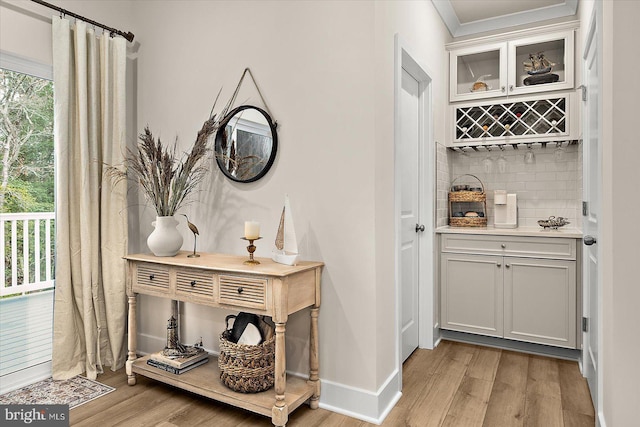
178, 365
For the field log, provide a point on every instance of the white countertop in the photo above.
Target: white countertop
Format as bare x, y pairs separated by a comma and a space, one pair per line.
569, 233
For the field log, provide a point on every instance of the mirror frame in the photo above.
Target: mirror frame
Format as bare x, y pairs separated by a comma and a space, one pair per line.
274, 144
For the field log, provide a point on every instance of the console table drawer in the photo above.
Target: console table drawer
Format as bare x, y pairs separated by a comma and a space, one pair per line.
152, 277
198, 283
243, 291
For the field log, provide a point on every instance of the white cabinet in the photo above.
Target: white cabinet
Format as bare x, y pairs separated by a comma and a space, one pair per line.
520, 288
472, 294
498, 62
540, 301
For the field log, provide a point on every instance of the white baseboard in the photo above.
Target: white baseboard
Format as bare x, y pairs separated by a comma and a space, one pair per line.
372, 407
25, 377
600, 419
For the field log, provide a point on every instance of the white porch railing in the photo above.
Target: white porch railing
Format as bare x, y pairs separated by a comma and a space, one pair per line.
26, 242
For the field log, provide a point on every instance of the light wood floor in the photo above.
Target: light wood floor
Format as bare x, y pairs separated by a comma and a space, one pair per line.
453, 385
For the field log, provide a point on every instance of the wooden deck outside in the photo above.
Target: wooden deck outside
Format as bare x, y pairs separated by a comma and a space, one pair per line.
26, 331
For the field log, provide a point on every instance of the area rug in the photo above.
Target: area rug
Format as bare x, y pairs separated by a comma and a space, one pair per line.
73, 392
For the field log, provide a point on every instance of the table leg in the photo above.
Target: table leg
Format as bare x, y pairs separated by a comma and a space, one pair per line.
314, 359
132, 331
280, 411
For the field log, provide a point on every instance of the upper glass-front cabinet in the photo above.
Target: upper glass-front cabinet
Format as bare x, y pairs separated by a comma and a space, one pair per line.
521, 66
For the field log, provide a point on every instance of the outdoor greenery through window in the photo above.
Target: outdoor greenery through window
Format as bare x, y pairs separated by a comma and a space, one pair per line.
26, 182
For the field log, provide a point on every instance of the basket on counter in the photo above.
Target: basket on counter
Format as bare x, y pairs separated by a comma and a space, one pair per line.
247, 368
471, 204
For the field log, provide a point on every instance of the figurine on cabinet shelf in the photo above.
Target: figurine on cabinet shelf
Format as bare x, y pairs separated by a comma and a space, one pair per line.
539, 69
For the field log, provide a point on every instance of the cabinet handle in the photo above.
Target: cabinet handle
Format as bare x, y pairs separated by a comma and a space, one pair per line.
498, 265
510, 88
508, 265
193, 283
240, 290
503, 246
152, 276
503, 88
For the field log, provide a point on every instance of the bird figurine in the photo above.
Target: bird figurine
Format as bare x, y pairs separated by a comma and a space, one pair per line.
195, 232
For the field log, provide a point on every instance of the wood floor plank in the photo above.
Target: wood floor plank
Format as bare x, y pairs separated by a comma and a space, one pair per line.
573, 419
542, 411
417, 371
469, 404
513, 370
124, 412
433, 406
484, 364
506, 407
574, 389
543, 377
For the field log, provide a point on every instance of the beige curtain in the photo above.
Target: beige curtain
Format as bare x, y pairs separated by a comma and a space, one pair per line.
91, 222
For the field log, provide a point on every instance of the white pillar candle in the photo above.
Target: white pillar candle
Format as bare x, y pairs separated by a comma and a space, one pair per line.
251, 230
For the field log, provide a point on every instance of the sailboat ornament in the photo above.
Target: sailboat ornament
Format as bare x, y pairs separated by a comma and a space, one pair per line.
286, 243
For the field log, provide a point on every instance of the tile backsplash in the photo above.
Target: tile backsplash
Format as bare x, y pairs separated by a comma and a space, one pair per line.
552, 185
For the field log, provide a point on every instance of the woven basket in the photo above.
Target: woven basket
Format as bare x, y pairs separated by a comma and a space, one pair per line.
472, 197
247, 368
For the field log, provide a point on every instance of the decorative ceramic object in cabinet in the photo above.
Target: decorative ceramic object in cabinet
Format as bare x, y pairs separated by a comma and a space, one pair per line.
520, 288
500, 59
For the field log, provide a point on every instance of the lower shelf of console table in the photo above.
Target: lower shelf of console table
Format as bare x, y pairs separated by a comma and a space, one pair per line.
205, 381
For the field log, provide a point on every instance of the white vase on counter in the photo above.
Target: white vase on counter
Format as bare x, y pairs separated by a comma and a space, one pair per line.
165, 240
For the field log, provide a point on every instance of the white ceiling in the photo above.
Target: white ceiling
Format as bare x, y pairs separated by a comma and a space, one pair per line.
465, 17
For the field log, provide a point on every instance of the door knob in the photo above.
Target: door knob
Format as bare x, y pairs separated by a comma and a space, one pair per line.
589, 240
419, 227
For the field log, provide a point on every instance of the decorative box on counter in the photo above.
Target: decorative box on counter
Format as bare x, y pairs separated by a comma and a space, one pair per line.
467, 204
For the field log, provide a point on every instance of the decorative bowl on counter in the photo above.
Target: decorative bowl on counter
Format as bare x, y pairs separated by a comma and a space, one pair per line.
553, 223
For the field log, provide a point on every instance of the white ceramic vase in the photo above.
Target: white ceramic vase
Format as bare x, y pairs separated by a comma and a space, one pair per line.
165, 240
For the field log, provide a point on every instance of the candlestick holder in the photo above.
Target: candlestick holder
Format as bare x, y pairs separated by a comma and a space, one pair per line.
251, 249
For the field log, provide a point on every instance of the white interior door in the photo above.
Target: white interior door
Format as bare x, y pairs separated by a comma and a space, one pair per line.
592, 167
409, 152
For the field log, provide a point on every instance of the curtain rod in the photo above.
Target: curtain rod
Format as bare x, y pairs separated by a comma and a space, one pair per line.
128, 35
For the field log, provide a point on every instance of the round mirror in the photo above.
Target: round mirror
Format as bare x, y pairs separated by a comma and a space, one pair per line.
246, 144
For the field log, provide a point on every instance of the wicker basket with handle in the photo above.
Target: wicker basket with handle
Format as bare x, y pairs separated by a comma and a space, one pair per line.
474, 199
246, 368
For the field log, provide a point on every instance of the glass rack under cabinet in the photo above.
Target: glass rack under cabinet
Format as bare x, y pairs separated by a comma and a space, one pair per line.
530, 118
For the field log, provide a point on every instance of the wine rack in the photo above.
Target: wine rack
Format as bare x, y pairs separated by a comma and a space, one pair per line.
532, 120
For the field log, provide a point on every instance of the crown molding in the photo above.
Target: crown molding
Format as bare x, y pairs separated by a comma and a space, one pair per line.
448, 15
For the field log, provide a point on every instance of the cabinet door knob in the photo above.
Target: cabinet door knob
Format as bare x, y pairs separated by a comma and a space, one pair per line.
589, 240
503, 246
240, 290
510, 88
419, 227
507, 265
193, 283
503, 88
498, 265
151, 277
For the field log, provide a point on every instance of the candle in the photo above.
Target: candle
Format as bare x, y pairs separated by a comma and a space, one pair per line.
251, 230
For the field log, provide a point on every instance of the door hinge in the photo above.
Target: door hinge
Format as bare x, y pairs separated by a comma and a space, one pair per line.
584, 92
585, 208
585, 324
